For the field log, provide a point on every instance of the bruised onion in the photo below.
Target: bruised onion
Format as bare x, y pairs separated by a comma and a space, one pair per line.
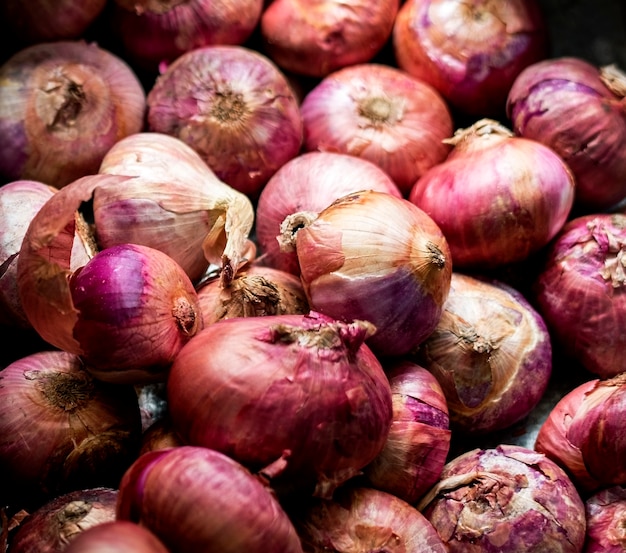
497, 197
116, 536
381, 114
606, 521
52, 97
376, 257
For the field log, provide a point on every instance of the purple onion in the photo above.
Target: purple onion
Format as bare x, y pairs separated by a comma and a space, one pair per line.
606, 521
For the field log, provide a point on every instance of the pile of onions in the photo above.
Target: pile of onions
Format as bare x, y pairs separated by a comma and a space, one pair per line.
497, 197
381, 114
606, 521
593, 144
121, 536
54, 95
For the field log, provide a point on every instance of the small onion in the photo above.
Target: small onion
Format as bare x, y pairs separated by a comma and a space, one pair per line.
497, 197
369, 245
506, 499
382, 114
117, 536
606, 521
160, 435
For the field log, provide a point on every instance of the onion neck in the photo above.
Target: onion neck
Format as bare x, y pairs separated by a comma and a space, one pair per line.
476, 134
614, 79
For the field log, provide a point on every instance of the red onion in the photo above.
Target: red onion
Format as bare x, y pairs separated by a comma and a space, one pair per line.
522, 199
160, 435
117, 536
60, 429
379, 113
351, 253
540, 105
197, 499
584, 273
491, 353
471, 51
300, 391
54, 95
234, 107
606, 521
317, 37
506, 499
418, 443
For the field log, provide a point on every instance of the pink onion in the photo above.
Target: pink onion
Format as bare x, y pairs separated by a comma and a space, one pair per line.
606, 521
54, 95
197, 499
299, 397
308, 183
540, 105
234, 107
471, 51
381, 114
117, 536
317, 37
585, 273
497, 197
369, 245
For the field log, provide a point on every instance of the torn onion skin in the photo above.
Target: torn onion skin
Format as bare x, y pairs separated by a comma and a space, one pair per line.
117, 536
606, 521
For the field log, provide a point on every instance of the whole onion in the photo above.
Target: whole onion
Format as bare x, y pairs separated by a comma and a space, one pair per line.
606, 521
497, 197
369, 245
55, 94
317, 37
117, 536
584, 272
299, 397
308, 183
197, 499
234, 107
540, 105
471, 51
491, 353
381, 114
508, 498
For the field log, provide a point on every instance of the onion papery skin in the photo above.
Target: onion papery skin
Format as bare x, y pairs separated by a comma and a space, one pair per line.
381, 114
301, 391
62, 430
606, 521
584, 272
54, 525
489, 346
508, 498
198, 499
350, 253
117, 536
471, 52
539, 106
308, 183
233, 106
418, 443
498, 198
19, 202
314, 38
159, 31
52, 96
364, 519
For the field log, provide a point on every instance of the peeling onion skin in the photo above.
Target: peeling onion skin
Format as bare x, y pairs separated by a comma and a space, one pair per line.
350, 254
118, 536
585, 272
52, 95
197, 499
381, 114
498, 198
234, 107
471, 52
506, 499
539, 105
606, 521
314, 38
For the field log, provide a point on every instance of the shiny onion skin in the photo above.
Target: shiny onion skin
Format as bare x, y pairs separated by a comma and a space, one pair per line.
471, 52
308, 183
497, 197
234, 107
381, 114
418, 443
198, 499
52, 96
366, 520
491, 353
540, 105
117, 536
369, 245
508, 498
585, 272
316, 37
301, 398
606, 521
